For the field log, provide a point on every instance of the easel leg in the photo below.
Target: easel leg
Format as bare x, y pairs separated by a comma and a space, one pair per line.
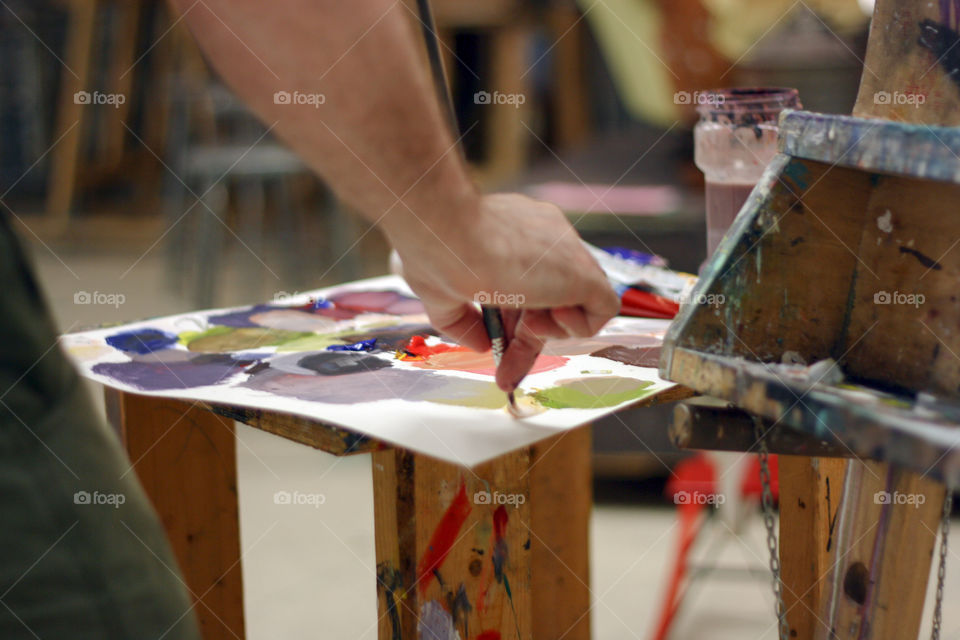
810, 493
461, 549
185, 458
886, 535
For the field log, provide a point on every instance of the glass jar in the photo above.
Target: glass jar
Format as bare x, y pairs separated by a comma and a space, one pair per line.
734, 141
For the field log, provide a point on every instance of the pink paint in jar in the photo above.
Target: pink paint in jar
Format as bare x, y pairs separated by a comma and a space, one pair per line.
734, 141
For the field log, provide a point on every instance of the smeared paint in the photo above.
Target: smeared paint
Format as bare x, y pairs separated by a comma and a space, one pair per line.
481, 363
798, 173
160, 375
293, 320
459, 605
500, 551
592, 393
338, 363
443, 538
362, 345
435, 623
885, 222
142, 340
636, 356
391, 302
224, 339
463, 392
390, 582
583, 346
385, 384
925, 260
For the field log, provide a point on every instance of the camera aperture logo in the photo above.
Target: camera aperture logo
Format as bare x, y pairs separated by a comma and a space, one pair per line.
96, 498
99, 298
699, 98
485, 497
897, 498
912, 299
298, 498
112, 99
499, 299
485, 97
312, 99
698, 497
903, 98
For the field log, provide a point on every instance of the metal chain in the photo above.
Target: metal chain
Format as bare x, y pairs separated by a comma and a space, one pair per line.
766, 501
942, 568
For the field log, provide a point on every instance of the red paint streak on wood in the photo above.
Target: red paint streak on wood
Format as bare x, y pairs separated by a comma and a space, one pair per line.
488, 635
500, 518
443, 538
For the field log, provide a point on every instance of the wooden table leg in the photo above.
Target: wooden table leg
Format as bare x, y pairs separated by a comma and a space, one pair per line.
884, 541
185, 458
810, 494
459, 550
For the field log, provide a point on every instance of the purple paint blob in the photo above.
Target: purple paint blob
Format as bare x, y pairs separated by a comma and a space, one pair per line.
241, 319
385, 384
156, 375
142, 341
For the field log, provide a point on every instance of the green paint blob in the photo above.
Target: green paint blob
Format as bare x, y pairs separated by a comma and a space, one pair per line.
224, 339
462, 392
592, 393
310, 342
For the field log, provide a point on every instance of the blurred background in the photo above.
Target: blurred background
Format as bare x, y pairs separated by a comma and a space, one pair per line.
129, 169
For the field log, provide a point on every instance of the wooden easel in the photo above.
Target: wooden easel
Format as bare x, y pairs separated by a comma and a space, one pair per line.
852, 212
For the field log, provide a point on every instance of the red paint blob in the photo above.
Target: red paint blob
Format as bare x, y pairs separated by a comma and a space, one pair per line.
419, 349
460, 359
443, 538
488, 635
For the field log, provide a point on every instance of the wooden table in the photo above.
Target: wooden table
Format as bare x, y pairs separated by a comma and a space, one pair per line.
435, 541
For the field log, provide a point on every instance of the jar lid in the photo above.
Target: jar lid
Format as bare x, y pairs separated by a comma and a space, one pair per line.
746, 106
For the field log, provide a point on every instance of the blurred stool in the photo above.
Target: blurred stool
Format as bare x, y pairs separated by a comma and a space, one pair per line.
229, 179
694, 485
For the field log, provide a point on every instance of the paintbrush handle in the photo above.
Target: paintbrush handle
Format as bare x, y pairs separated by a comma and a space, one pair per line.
493, 323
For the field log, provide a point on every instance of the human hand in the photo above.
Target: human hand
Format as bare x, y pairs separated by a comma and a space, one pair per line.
513, 252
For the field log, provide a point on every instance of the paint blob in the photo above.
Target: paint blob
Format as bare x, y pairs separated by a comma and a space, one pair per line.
158, 375
481, 363
592, 393
224, 339
636, 356
292, 320
354, 388
338, 363
141, 340
391, 302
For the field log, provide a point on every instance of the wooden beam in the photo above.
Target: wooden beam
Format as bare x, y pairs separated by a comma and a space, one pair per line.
185, 458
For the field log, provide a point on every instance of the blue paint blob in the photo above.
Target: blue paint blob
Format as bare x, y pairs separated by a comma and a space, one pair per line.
142, 341
363, 345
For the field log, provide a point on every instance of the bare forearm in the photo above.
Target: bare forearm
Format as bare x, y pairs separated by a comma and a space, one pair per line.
378, 136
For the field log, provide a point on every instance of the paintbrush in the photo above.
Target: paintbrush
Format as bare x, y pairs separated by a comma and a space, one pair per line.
492, 318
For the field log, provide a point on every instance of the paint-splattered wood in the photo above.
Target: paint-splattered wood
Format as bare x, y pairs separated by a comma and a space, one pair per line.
868, 144
885, 538
891, 431
185, 458
912, 67
453, 547
561, 497
810, 492
313, 433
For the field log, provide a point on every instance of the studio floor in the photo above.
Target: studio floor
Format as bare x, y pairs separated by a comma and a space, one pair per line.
309, 571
